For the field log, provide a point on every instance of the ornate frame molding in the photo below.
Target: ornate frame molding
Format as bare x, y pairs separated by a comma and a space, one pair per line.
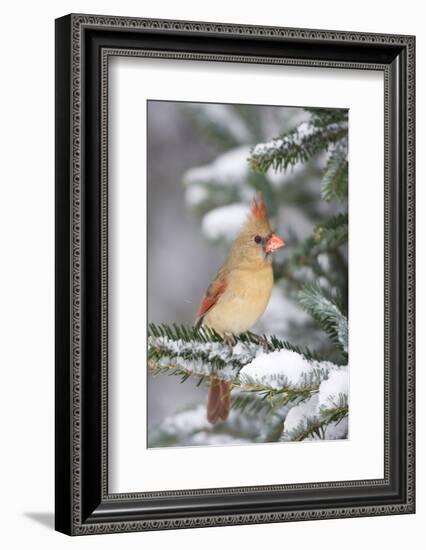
73, 503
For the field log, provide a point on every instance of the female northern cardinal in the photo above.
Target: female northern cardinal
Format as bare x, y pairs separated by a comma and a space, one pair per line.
239, 294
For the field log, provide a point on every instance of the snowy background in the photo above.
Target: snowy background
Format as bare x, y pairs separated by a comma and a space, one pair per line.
199, 188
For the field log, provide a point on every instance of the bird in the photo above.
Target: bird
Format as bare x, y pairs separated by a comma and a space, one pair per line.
238, 295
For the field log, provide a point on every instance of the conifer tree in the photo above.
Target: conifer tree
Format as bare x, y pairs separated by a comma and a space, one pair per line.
294, 384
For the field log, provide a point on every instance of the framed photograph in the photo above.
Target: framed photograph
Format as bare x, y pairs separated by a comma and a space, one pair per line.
234, 274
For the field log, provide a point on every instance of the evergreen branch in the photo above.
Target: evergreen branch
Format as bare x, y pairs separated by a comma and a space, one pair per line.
309, 428
284, 373
327, 237
201, 359
310, 431
336, 414
295, 146
334, 184
250, 402
319, 427
275, 344
257, 398
173, 369
327, 313
333, 222
184, 332
321, 117
169, 340
333, 232
186, 351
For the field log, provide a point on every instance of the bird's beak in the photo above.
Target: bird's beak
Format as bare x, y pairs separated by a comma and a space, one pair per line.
274, 243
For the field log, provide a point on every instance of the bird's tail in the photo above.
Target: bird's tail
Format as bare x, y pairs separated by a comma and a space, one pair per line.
219, 400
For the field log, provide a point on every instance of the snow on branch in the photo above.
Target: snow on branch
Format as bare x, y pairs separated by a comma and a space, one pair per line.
305, 422
334, 391
285, 369
187, 351
269, 367
199, 358
324, 415
295, 146
302, 421
304, 396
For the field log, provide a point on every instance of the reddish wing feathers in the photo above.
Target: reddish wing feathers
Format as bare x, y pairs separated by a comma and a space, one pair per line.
214, 292
219, 396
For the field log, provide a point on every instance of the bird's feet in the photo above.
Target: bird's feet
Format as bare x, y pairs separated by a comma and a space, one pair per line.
261, 340
229, 340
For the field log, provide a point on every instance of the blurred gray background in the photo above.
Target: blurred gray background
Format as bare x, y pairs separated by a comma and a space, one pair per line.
180, 260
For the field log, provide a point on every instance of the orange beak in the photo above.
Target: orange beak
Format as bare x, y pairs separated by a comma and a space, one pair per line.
274, 243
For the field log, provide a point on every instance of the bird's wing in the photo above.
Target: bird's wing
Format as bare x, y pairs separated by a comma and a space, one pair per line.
212, 295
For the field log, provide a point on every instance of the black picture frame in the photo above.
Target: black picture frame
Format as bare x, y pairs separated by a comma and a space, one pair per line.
83, 45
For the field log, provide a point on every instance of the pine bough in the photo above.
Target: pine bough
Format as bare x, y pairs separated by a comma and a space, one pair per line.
284, 392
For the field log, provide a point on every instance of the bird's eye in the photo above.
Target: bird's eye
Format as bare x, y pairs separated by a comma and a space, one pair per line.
258, 239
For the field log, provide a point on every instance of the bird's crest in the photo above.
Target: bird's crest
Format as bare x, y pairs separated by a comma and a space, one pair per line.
258, 208
257, 220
